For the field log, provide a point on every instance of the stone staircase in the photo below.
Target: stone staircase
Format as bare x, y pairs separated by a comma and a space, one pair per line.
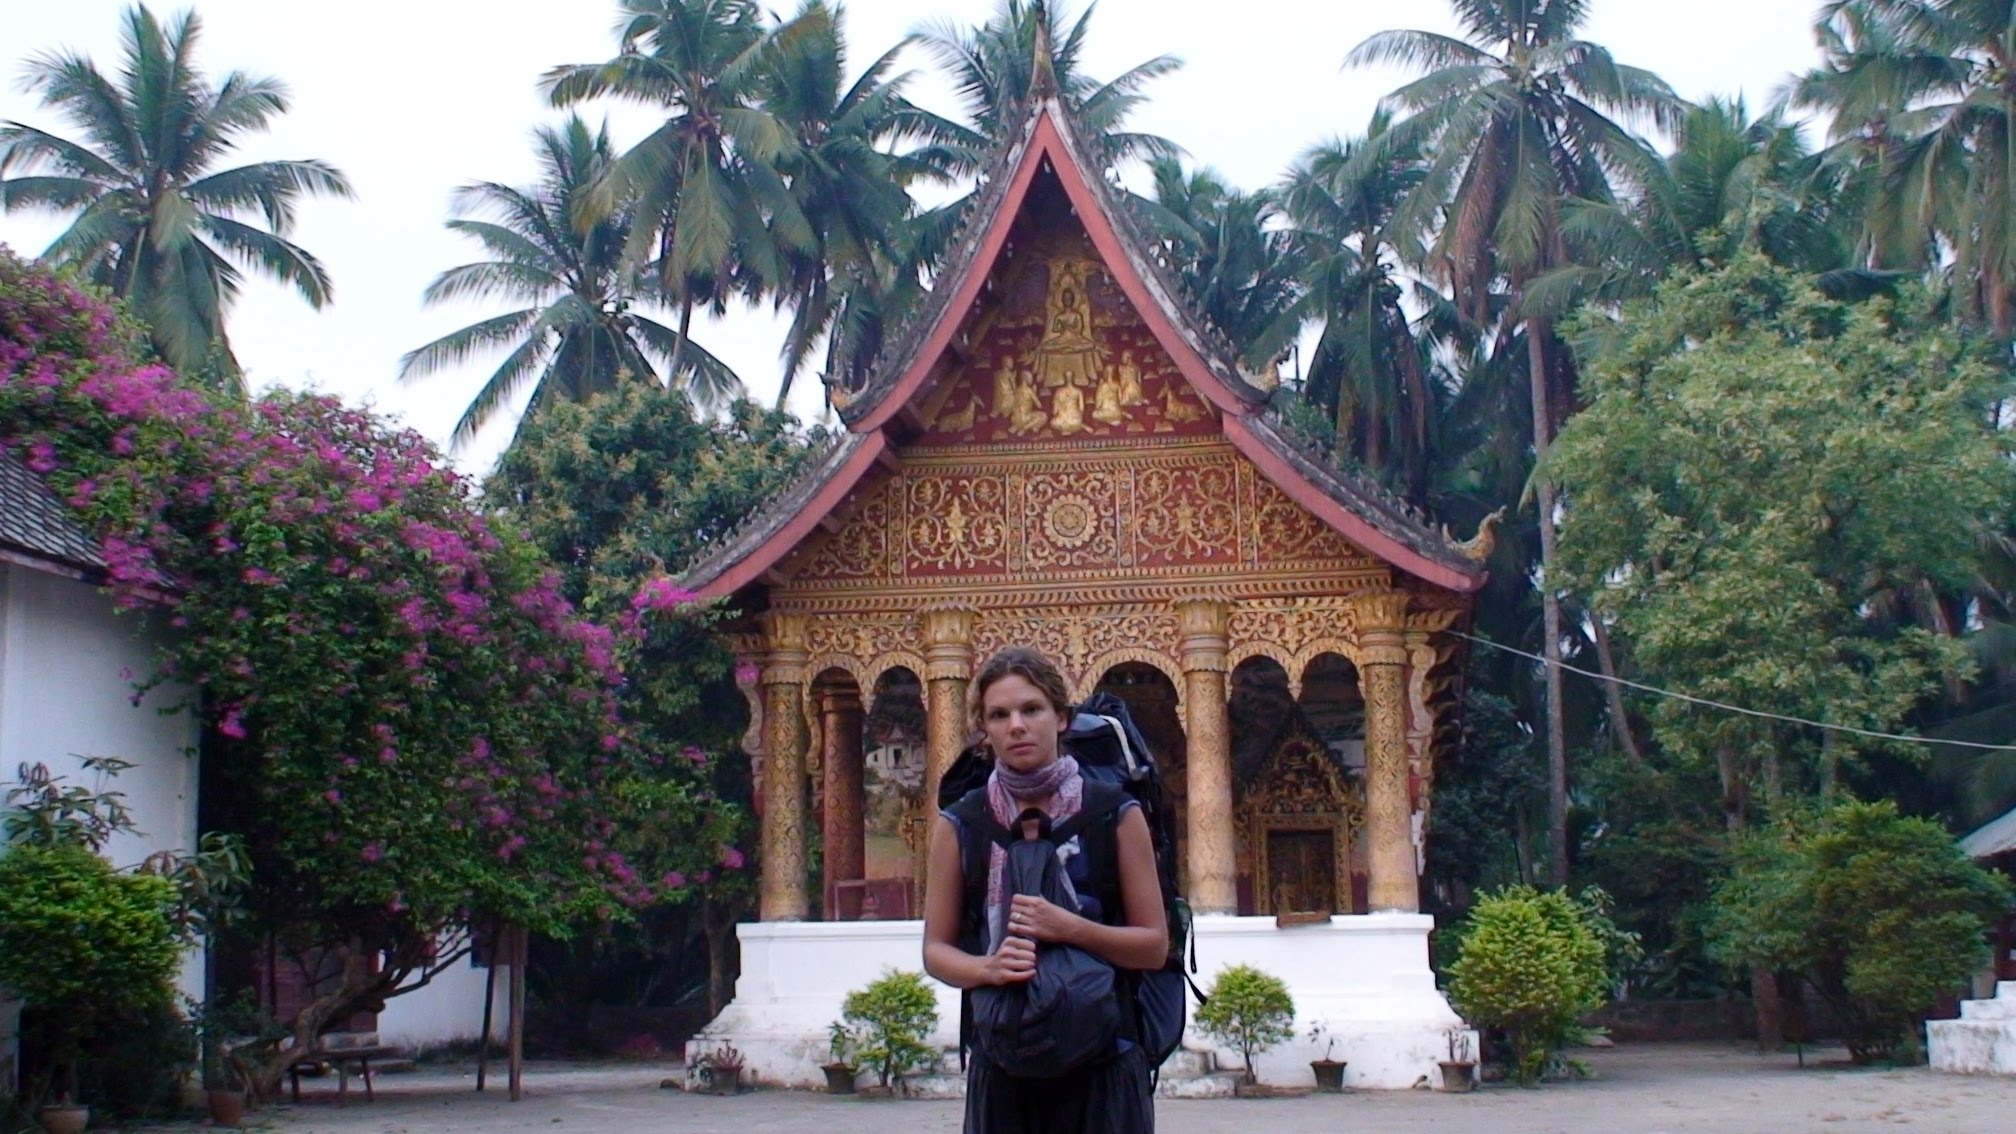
1187, 1075
1982, 1041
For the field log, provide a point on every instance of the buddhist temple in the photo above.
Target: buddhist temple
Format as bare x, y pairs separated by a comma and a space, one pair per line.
1056, 451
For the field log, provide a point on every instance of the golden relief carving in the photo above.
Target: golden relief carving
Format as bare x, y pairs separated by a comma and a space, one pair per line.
1300, 788
1389, 810
783, 880
1187, 514
1076, 638
1069, 520
860, 637
1212, 858
1290, 531
957, 523
1117, 516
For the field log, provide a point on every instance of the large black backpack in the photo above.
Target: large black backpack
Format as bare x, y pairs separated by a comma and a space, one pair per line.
1067, 1015
1110, 751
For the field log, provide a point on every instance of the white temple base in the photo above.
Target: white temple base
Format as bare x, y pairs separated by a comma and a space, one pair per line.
1982, 1041
1366, 976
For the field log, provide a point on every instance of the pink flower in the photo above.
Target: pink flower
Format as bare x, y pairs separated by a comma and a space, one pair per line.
674, 880
373, 852
233, 724
731, 858
333, 796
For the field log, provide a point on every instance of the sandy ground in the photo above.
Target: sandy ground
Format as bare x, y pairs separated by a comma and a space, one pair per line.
1641, 1089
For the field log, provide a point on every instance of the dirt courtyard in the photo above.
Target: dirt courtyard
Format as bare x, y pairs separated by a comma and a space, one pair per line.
1639, 1089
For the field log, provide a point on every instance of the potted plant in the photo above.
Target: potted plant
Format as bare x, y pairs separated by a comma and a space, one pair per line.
720, 1070
1249, 1011
1329, 1072
892, 1019
841, 1068
1459, 1071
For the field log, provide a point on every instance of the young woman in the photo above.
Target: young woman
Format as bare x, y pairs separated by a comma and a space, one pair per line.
1019, 705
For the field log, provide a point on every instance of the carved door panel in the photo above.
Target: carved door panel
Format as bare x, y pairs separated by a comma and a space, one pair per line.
1302, 869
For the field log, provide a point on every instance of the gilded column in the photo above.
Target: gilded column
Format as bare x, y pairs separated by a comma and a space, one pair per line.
843, 830
782, 895
948, 667
1208, 773
1382, 675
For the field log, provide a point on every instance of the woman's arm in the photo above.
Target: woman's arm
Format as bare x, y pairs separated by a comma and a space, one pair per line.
944, 894
1143, 942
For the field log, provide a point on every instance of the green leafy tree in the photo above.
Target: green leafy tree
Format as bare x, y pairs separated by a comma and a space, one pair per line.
83, 943
409, 725
994, 67
1924, 131
888, 1025
584, 329
1515, 119
621, 491
156, 222
1532, 963
715, 217
1881, 913
1248, 1010
1235, 267
852, 187
1759, 466
1372, 370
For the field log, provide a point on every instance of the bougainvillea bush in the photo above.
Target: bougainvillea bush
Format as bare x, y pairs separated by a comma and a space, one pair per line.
410, 725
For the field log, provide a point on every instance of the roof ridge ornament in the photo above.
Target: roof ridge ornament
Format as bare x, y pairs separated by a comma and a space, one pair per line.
1043, 68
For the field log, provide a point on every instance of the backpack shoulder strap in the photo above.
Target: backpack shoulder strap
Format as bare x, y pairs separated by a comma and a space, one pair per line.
1098, 824
977, 832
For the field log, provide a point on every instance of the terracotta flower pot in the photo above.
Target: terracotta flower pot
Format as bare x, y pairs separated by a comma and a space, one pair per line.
1329, 1075
1458, 1076
839, 1078
227, 1108
64, 1119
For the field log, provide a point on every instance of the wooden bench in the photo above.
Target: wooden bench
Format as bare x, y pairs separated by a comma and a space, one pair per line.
342, 1059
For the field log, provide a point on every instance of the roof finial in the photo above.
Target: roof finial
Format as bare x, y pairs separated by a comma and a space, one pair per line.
1043, 69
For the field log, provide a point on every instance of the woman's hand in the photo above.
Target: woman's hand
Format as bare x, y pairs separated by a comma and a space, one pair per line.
1038, 919
1012, 963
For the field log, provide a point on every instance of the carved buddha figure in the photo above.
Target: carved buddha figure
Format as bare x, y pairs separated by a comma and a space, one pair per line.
1067, 355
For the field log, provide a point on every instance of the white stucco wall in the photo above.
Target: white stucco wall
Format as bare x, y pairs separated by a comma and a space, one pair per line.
449, 1008
62, 651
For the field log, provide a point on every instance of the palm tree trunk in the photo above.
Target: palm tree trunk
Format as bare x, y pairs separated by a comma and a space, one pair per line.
1550, 605
679, 344
1620, 724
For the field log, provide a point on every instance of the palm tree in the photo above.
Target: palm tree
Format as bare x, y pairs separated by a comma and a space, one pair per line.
1732, 183
1517, 119
852, 190
579, 331
994, 69
1925, 123
1235, 267
1372, 369
719, 217
156, 223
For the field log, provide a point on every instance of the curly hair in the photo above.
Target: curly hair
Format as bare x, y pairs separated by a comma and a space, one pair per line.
1027, 664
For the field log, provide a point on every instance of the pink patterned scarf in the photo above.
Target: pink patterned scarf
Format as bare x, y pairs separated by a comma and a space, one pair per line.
1056, 789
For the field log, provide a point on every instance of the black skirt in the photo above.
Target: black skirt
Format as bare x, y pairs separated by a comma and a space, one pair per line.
1113, 1097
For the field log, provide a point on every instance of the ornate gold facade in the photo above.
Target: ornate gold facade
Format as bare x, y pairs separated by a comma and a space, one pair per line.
1063, 483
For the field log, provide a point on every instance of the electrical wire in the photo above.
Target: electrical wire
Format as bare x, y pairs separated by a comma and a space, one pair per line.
1691, 699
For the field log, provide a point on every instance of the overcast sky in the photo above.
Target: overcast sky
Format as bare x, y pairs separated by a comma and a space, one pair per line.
412, 98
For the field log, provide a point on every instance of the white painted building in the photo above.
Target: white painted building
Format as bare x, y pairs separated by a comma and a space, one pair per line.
66, 665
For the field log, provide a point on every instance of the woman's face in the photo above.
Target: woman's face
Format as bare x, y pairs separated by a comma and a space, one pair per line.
1021, 724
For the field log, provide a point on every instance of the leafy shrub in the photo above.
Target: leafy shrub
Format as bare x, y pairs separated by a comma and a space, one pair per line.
1531, 963
83, 942
1878, 912
890, 1023
1249, 1010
